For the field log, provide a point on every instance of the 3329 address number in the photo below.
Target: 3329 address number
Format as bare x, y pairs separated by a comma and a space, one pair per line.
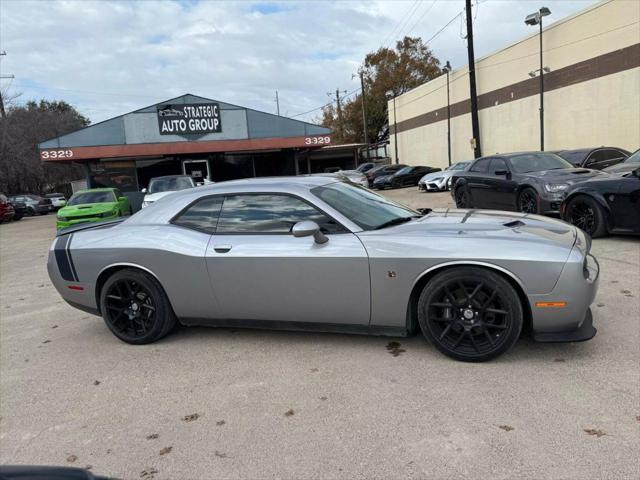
317, 140
47, 154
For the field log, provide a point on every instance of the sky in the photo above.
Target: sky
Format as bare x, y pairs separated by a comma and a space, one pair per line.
110, 57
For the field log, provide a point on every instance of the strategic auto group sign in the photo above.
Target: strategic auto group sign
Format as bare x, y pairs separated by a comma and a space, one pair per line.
192, 118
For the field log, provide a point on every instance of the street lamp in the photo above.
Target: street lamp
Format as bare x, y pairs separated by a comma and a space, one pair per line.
390, 94
446, 69
536, 19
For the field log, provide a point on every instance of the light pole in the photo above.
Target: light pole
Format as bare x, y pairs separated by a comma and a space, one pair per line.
447, 69
395, 124
536, 19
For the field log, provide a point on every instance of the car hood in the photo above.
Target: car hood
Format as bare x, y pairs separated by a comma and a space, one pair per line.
486, 224
433, 175
567, 175
622, 167
153, 197
86, 209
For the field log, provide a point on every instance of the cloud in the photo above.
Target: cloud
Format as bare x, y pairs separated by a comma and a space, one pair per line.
108, 58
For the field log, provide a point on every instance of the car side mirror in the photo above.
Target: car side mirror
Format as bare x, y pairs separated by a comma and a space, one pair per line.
308, 228
502, 172
636, 172
144, 190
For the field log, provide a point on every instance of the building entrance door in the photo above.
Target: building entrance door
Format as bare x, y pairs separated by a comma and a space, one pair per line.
197, 169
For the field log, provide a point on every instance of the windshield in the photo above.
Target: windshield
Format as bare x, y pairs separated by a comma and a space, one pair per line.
54, 195
634, 158
92, 197
537, 162
366, 209
459, 166
171, 184
404, 171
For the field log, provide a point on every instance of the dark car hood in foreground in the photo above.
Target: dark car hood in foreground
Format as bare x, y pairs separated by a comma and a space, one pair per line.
488, 223
566, 175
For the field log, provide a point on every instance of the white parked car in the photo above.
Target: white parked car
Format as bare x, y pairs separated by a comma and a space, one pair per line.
440, 181
57, 200
161, 186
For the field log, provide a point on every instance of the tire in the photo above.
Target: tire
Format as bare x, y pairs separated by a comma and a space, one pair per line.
486, 330
30, 211
528, 201
586, 213
17, 218
461, 197
152, 317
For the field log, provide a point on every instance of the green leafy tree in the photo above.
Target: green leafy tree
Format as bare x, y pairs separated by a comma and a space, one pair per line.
23, 127
395, 70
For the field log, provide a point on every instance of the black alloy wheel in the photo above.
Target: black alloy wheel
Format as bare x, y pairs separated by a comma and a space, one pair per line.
528, 201
470, 314
585, 213
462, 199
135, 307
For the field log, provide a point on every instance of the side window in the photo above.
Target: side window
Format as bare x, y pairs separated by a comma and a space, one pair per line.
202, 215
480, 166
497, 164
269, 213
614, 155
594, 158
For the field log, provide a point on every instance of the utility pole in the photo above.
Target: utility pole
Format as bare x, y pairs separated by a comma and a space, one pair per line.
2, 112
364, 110
339, 110
277, 103
475, 125
447, 70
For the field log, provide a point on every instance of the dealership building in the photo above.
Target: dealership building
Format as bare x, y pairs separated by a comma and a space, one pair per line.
591, 92
191, 135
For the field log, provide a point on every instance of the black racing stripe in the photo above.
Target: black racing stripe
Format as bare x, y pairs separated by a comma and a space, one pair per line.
73, 267
62, 260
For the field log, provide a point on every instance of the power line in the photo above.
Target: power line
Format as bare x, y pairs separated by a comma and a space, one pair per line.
403, 19
422, 16
326, 104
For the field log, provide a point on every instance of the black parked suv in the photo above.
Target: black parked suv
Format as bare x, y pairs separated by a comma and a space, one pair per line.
595, 158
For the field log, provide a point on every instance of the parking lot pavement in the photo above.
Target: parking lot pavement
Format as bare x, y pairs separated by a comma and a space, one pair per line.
305, 405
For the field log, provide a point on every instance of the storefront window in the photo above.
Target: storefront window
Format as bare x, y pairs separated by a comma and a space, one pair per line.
120, 175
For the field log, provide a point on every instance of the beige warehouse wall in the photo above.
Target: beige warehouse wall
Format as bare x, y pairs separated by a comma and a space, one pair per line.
604, 110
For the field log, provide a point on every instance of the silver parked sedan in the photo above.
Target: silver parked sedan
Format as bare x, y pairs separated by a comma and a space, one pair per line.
313, 253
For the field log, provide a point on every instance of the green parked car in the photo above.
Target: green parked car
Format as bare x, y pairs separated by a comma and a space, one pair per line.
94, 205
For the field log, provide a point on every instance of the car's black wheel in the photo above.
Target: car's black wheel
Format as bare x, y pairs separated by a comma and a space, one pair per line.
135, 307
470, 314
17, 218
462, 198
528, 201
585, 213
30, 211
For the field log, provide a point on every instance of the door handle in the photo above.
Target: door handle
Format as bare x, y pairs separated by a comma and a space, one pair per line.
222, 248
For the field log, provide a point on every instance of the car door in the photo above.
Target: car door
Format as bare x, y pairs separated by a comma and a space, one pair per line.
260, 271
613, 156
501, 191
477, 183
625, 205
416, 174
599, 159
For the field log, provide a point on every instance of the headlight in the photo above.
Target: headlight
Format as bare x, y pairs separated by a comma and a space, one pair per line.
107, 214
556, 187
437, 179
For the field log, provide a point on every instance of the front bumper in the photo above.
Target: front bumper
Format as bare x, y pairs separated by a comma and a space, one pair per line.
570, 320
433, 186
70, 221
549, 203
586, 331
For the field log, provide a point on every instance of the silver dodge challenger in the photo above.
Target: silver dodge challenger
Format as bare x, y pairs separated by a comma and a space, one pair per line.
318, 254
